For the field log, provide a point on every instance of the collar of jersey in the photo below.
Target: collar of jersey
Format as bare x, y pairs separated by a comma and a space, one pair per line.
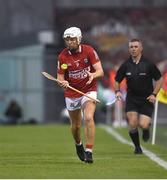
79, 50
141, 59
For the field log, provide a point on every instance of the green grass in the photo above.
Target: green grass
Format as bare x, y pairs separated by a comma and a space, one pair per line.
48, 152
159, 148
161, 135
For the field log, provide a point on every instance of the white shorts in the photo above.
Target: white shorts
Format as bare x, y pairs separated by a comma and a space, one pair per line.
76, 103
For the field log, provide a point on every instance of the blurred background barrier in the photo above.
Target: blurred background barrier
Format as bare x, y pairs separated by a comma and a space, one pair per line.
21, 80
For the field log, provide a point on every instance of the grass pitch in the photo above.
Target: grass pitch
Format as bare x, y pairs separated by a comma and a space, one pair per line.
48, 152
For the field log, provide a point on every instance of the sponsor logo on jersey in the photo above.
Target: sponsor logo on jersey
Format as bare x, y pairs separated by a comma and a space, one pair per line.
79, 74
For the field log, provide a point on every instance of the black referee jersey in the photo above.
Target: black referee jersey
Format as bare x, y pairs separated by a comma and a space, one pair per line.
139, 76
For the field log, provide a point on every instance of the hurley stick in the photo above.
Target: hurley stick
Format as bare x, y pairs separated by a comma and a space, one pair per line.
70, 87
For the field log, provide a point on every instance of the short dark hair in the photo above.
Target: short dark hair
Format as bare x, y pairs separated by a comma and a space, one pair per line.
135, 39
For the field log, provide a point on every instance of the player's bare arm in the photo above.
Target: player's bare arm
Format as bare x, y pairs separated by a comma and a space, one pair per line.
63, 83
98, 72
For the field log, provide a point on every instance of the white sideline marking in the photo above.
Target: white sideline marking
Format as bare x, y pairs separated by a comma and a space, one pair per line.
148, 153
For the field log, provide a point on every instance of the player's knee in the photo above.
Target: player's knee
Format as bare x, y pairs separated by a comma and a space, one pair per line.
144, 126
133, 125
76, 126
88, 119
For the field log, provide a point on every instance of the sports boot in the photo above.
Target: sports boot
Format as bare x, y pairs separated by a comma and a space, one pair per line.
80, 152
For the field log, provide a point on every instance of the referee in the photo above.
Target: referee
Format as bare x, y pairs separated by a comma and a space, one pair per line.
141, 91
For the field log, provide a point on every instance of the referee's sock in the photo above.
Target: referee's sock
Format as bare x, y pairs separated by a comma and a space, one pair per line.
134, 135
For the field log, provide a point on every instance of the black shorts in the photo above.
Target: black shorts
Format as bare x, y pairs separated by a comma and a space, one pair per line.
139, 104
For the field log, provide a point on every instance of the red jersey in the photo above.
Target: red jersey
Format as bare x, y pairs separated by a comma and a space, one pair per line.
74, 67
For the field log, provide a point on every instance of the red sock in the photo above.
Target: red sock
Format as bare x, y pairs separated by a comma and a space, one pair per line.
89, 147
78, 142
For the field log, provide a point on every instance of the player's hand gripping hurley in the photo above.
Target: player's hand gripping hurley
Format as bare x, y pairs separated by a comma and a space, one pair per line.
70, 87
